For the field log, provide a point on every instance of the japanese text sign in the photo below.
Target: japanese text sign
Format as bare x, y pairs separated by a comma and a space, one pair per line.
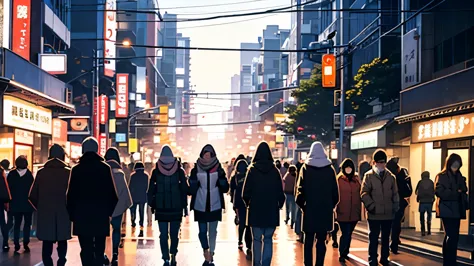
21, 28
329, 71
121, 108
110, 36
102, 144
59, 131
103, 109
24, 137
21, 114
443, 128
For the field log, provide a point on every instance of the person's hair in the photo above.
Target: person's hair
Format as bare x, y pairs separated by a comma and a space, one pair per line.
112, 154
450, 160
5, 164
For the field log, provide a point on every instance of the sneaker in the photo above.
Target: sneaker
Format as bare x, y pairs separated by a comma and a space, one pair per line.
27, 249
115, 259
167, 263
173, 260
141, 233
6, 248
335, 245
241, 246
249, 255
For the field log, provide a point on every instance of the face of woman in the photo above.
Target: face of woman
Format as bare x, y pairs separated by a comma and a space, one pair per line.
207, 155
455, 166
348, 170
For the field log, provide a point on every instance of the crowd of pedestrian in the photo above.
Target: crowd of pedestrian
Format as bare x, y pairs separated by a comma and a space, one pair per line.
92, 197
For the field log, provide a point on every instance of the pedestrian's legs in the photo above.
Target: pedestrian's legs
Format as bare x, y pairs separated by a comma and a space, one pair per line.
344, 242
397, 229
287, 208
133, 214
241, 232
308, 248
203, 235
149, 215
164, 233
174, 236
428, 217
451, 239
293, 209
374, 232
62, 251
18, 217
248, 238
87, 250
3, 226
334, 235
141, 211
116, 233
320, 248
47, 252
422, 218
267, 246
27, 228
213, 236
99, 250
257, 234
385, 251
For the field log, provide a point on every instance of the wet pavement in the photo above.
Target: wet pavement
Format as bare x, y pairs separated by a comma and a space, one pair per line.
145, 251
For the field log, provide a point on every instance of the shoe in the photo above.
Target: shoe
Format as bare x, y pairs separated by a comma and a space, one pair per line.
342, 259
249, 255
115, 259
106, 260
241, 246
385, 262
173, 260
27, 249
141, 233
395, 251
335, 245
17, 249
286, 221
205, 263
207, 255
167, 263
6, 248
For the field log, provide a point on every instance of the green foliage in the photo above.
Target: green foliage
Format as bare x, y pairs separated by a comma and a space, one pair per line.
314, 110
377, 79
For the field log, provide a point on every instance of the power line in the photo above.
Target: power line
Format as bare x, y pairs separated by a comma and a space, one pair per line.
223, 12
225, 23
223, 4
199, 125
241, 93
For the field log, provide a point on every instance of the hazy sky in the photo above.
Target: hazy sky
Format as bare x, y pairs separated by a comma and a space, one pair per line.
210, 70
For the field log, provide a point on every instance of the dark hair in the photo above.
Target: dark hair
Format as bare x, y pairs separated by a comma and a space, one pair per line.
450, 160
5, 164
21, 162
112, 154
138, 165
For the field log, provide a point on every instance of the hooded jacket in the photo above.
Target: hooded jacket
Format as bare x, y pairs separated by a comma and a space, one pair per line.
20, 182
425, 191
405, 189
124, 197
350, 205
237, 183
167, 191
263, 190
289, 180
139, 184
317, 191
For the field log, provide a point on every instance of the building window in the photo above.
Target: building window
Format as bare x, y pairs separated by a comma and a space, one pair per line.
180, 83
181, 43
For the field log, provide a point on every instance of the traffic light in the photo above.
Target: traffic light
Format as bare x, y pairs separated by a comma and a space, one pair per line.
300, 130
316, 50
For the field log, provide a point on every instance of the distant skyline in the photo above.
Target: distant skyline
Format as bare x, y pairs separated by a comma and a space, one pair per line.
211, 71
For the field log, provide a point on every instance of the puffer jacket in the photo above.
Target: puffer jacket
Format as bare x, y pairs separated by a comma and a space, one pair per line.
380, 195
425, 190
350, 205
124, 197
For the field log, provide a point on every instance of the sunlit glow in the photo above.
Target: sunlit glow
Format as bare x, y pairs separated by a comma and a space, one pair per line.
126, 43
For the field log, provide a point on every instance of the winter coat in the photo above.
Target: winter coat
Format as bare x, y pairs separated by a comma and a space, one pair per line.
317, 195
91, 197
425, 190
263, 190
450, 202
166, 194
404, 185
236, 185
5, 195
48, 195
20, 190
289, 182
139, 186
380, 195
124, 197
350, 205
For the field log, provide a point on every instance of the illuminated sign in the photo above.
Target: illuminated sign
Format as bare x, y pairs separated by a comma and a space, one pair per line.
21, 114
110, 36
329, 71
53, 63
102, 144
24, 137
59, 131
365, 140
120, 137
103, 109
443, 128
121, 105
21, 28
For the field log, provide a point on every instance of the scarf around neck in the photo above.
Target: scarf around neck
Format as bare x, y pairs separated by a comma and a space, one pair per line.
167, 168
207, 165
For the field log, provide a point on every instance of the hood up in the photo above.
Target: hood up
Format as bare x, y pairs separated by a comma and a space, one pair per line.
241, 166
263, 159
348, 163
317, 156
166, 155
207, 164
240, 157
393, 166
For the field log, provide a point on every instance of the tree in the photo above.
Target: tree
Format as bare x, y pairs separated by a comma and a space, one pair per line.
379, 79
314, 110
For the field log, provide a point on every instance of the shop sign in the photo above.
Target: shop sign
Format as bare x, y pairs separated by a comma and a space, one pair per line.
76, 150
21, 114
59, 131
21, 28
443, 128
120, 137
349, 121
6, 143
103, 109
110, 37
121, 108
365, 140
24, 137
410, 59
102, 144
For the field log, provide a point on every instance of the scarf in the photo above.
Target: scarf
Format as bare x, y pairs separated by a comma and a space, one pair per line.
167, 169
207, 165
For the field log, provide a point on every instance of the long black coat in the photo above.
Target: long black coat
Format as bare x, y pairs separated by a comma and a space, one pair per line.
48, 195
317, 195
139, 186
91, 197
20, 190
5, 195
451, 203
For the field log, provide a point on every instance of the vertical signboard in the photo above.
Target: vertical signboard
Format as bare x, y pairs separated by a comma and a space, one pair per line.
102, 144
110, 36
121, 105
95, 118
21, 28
410, 59
329, 71
103, 109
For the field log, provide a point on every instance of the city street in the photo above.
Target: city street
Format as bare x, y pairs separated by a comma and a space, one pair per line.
146, 251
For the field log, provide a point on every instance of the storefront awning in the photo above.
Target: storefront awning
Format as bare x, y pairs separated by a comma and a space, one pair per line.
437, 112
18, 90
374, 123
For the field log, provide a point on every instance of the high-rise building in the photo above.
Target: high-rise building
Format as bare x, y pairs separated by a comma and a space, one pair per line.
169, 56
235, 88
182, 77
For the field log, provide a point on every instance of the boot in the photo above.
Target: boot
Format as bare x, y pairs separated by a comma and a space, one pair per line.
249, 255
207, 255
423, 233
429, 228
115, 259
141, 232
173, 260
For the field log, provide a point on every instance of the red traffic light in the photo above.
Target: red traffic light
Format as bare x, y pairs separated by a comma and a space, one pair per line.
300, 129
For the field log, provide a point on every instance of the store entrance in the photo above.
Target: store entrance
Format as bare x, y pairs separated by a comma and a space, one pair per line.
464, 153
26, 151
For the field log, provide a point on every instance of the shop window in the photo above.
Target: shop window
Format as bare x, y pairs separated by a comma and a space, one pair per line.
448, 53
460, 47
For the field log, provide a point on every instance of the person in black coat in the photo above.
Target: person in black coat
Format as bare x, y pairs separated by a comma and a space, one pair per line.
263, 195
236, 185
167, 186
138, 189
20, 181
91, 201
404, 191
317, 195
5, 198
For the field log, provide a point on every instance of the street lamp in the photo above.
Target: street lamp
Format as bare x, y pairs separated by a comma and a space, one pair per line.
126, 43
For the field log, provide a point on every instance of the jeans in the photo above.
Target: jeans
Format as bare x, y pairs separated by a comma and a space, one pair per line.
262, 246
5, 225
92, 250
244, 231
208, 242
345, 241
375, 226
19, 216
428, 209
298, 221
116, 232
320, 248
141, 211
451, 239
48, 251
169, 230
334, 232
290, 208
397, 229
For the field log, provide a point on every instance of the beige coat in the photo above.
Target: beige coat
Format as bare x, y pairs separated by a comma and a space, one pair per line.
380, 195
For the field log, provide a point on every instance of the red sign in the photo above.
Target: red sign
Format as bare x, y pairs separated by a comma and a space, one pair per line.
59, 131
21, 28
329, 71
121, 106
102, 144
95, 118
103, 109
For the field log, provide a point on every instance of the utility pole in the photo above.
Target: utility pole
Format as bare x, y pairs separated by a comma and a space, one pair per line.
343, 91
298, 41
95, 84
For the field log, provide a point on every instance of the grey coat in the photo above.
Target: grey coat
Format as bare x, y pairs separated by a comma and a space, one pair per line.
451, 203
48, 195
124, 197
380, 195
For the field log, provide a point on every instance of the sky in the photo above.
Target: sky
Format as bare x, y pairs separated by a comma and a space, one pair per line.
211, 71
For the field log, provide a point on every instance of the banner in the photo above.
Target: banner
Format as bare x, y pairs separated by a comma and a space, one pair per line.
103, 109
102, 144
21, 28
121, 105
110, 37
